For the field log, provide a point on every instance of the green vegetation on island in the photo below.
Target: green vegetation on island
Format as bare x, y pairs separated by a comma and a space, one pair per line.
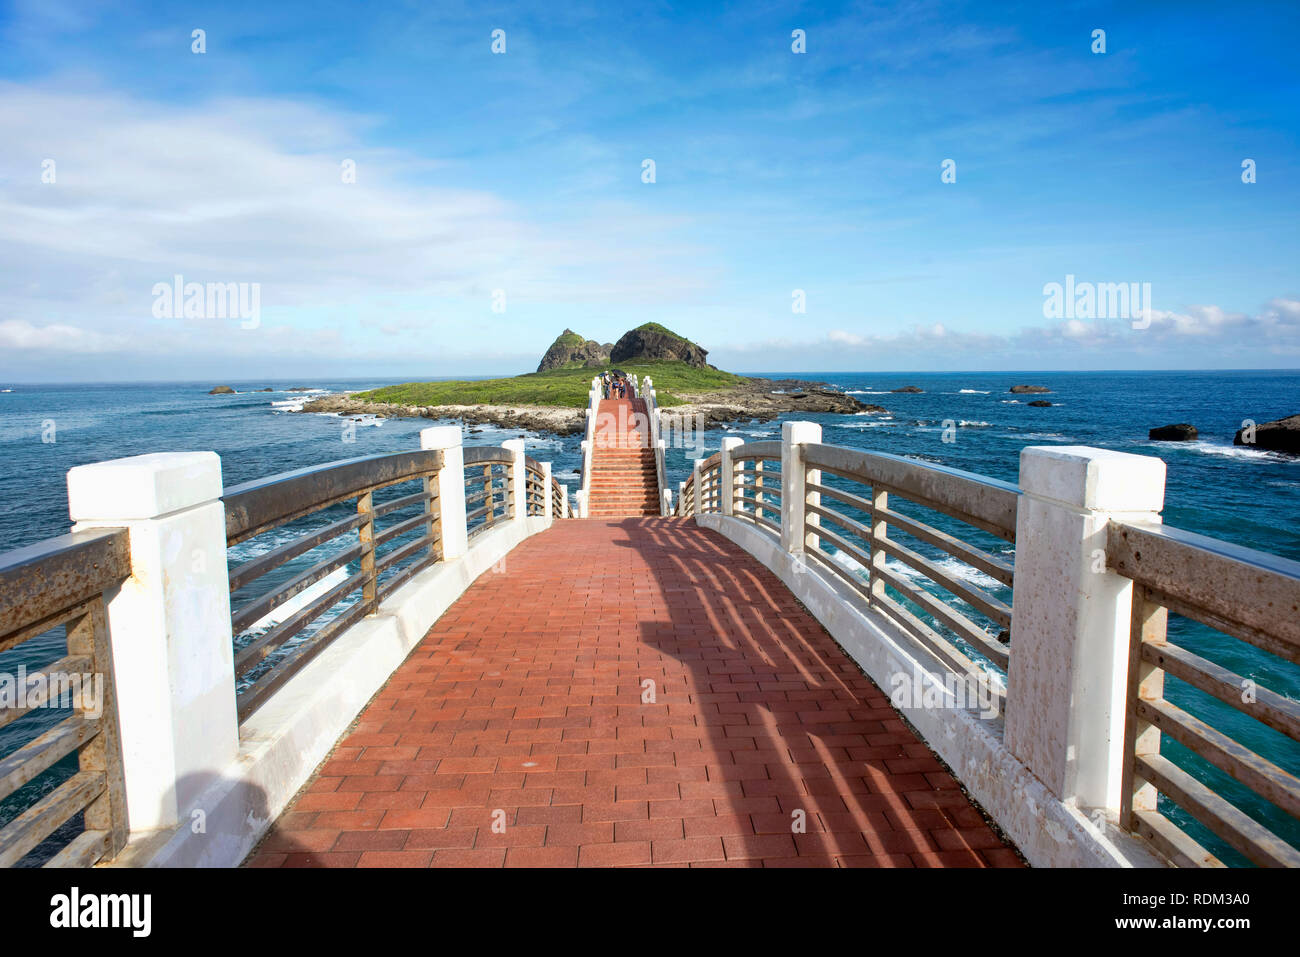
564, 387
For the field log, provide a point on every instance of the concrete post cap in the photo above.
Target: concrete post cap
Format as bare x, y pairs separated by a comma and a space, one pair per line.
1096, 479
143, 486
797, 432
440, 437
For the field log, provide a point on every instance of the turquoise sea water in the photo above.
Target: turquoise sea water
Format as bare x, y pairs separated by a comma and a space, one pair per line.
1242, 495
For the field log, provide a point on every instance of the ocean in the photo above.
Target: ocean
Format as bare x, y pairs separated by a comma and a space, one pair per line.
1242, 495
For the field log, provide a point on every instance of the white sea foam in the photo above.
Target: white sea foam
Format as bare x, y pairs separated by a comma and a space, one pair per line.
949, 566
1238, 452
972, 392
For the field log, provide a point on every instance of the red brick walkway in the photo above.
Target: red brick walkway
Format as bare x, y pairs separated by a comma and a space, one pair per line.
516, 733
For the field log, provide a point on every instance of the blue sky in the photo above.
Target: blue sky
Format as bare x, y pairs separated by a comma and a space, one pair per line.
522, 172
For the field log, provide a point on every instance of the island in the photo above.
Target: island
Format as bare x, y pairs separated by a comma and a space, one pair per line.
554, 398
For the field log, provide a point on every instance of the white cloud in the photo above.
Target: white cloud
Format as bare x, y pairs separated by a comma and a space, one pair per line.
250, 190
20, 334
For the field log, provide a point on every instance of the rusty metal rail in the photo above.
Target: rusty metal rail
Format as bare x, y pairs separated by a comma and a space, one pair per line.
850, 508
357, 576
489, 484
60, 583
1248, 595
534, 487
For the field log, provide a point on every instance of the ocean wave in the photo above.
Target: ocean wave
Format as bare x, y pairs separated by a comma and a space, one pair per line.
972, 392
871, 424
1009, 401
1237, 452
1055, 436
867, 392
949, 566
975, 425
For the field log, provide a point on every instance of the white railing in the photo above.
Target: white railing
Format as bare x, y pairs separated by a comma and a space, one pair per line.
1053, 723
196, 750
588, 447
647, 392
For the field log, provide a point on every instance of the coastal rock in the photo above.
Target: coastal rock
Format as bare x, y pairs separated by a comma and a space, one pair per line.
762, 400
533, 418
908, 388
758, 400
1280, 435
570, 349
1022, 389
652, 341
1178, 432
221, 390
1040, 403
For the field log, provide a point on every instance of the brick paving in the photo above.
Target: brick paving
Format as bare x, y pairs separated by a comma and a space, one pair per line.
515, 734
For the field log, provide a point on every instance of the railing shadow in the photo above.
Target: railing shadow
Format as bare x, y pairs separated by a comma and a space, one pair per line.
787, 722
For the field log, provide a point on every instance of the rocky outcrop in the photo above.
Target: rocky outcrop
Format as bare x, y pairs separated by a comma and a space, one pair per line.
221, 390
652, 341
1178, 432
570, 349
1022, 389
1040, 403
532, 418
759, 400
763, 400
908, 388
1280, 435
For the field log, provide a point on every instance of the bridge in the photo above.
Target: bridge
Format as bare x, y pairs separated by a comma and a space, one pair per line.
804, 655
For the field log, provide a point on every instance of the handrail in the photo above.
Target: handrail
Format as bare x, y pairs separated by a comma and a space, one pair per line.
488, 454
1241, 592
951, 631
262, 504
61, 582
266, 661
42, 581
986, 503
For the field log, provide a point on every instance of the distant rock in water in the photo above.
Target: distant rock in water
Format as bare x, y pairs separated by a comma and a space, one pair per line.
1179, 432
267, 389
1280, 435
1022, 389
908, 388
221, 390
1040, 403
652, 341
570, 349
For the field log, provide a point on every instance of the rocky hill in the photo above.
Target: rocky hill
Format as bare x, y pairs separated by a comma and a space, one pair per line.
652, 341
570, 350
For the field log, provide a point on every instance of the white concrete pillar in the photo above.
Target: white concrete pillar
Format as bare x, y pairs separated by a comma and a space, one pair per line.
519, 496
564, 498
727, 473
548, 500
699, 486
1066, 682
173, 657
666, 507
584, 492
451, 487
794, 477
681, 497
